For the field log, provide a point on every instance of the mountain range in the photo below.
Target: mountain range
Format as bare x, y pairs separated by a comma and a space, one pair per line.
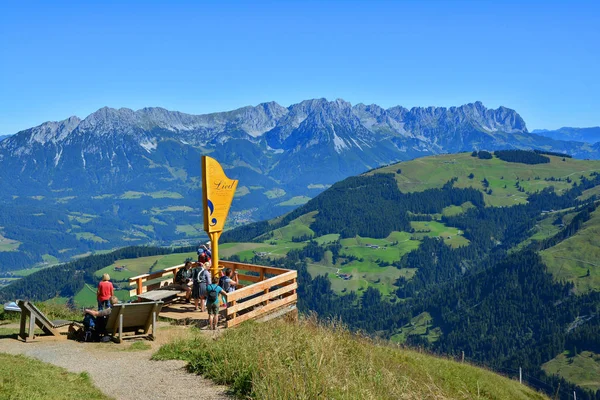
588, 135
122, 177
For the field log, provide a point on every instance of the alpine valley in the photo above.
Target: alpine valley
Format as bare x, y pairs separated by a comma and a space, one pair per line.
123, 177
490, 256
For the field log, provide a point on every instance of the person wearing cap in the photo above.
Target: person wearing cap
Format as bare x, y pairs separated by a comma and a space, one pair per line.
206, 248
105, 291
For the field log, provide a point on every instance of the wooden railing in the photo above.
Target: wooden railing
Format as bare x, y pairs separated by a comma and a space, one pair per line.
262, 290
142, 284
273, 289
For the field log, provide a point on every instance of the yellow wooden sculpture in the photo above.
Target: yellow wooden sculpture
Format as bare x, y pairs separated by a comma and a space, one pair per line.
217, 194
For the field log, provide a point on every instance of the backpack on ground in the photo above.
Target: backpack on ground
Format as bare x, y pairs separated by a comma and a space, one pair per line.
89, 329
211, 295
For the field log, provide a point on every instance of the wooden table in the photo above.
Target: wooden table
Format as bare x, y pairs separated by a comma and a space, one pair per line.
158, 295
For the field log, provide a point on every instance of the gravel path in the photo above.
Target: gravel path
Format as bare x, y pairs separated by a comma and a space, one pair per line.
119, 373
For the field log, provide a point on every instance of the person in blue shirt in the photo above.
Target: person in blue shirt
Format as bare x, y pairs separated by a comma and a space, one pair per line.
212, 303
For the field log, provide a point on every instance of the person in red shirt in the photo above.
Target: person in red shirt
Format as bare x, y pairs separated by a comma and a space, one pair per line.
105, 292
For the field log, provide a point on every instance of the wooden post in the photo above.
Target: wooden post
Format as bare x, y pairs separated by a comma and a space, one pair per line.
140, 286
267, 292
262, 274
294, 291
23, 325
520, 376
121, 327
31, 326
154, 323
462, 357
214, 241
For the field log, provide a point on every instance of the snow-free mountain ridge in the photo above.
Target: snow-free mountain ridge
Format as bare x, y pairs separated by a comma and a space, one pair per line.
120, 176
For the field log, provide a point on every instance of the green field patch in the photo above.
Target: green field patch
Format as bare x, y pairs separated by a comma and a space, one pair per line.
194, 230
330, 238
274, 193
544, 229
66, 199
164, 194
247, 252
242, 191
421, 325
79, 219
582, 369
129, 195
230, 249
49, 259
358, 276
571, 259
451, 236
86, 297
157, 221
296, 228
26, 271
156, 210
142, 265
295, 201
451, 211
90, 237
595, 191
147, 228
8, 244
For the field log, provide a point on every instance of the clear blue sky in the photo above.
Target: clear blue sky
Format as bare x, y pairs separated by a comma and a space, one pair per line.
60, 58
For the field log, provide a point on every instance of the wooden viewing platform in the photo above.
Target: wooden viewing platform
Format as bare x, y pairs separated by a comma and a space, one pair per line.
263, 292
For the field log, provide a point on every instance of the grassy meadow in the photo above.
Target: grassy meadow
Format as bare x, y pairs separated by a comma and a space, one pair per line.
25, 378
571, 259
433, 172
421, 325
582, 369
279, 360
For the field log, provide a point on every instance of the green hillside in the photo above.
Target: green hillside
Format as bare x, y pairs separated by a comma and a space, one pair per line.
432, 172
582, 369
571, 259
279, 360
359, 266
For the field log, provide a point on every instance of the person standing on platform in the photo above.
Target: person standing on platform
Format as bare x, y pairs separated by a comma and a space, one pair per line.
201, 281
105, 292
212, 304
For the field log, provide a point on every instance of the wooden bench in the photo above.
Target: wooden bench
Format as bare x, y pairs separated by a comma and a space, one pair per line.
52, 329
133, 317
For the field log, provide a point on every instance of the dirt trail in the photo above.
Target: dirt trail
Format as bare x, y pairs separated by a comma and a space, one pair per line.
120, 373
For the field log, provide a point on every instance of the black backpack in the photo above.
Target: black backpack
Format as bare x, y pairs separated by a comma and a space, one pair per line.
211, 296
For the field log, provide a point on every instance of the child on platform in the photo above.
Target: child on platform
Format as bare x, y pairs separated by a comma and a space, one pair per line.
212, 304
